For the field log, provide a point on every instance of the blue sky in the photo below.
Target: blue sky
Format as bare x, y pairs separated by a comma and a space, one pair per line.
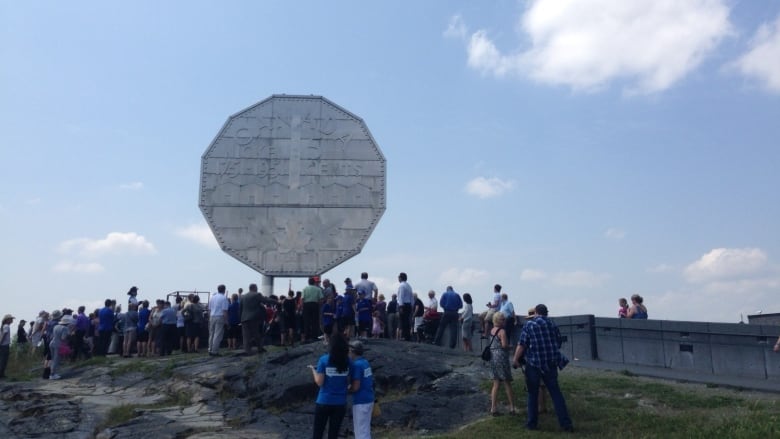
574, 152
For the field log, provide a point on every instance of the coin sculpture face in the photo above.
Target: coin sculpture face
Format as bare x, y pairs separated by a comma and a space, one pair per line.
293, 185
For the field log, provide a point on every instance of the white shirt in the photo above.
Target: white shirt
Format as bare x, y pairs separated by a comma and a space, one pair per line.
496, 301
405, 296
218, 305
5, 335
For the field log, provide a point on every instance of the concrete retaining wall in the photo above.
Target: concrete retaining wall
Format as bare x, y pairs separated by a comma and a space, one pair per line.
723, 349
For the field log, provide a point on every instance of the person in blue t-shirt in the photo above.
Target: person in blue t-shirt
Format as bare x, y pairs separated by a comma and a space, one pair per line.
364, 311
234, 322
332, 376
143, 335
105, 327
347, 320
362, 391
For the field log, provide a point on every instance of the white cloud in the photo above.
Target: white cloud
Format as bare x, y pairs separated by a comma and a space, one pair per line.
488, 187
762, 61
77, 267
460, 278
200, 233
722, 263
484, 56
133, 186
586, 44
456, 28
530, 274
114, 242
613, 233
725, 300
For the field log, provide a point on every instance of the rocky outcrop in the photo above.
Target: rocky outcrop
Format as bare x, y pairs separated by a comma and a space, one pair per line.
421, 388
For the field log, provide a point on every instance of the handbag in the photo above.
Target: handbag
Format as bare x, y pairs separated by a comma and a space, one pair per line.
376, 411
64, 350
486, 352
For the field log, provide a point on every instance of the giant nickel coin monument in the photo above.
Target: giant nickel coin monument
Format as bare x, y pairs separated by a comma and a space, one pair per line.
292, 186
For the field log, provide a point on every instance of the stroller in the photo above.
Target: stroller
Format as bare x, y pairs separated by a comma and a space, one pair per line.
430, 325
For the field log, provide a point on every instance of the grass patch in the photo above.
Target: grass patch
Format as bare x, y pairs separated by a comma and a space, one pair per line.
119, 415
151, 367
179, 399
24, 364
94, 361
134, 366
167, 370
613, 405
124, 413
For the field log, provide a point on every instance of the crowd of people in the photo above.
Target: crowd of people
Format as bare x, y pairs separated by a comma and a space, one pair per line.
247, 321
319, 313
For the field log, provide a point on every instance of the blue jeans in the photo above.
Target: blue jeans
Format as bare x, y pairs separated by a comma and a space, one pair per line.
533, 376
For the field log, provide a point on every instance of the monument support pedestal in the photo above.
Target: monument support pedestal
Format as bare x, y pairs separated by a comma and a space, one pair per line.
266, 285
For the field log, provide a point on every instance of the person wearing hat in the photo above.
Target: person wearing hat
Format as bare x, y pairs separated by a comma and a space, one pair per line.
5, 342
362, 390
60, 335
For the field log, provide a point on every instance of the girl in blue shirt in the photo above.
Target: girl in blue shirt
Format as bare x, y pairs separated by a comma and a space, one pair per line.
332, 376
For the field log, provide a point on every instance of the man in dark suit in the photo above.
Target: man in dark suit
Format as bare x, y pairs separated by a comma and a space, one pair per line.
252, 318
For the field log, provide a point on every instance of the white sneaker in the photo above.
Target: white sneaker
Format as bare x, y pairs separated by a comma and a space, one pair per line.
54, 377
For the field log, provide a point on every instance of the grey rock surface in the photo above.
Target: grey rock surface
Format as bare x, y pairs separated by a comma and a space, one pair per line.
422, 389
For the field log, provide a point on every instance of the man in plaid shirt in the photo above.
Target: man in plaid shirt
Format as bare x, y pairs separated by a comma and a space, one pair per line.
540, 342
